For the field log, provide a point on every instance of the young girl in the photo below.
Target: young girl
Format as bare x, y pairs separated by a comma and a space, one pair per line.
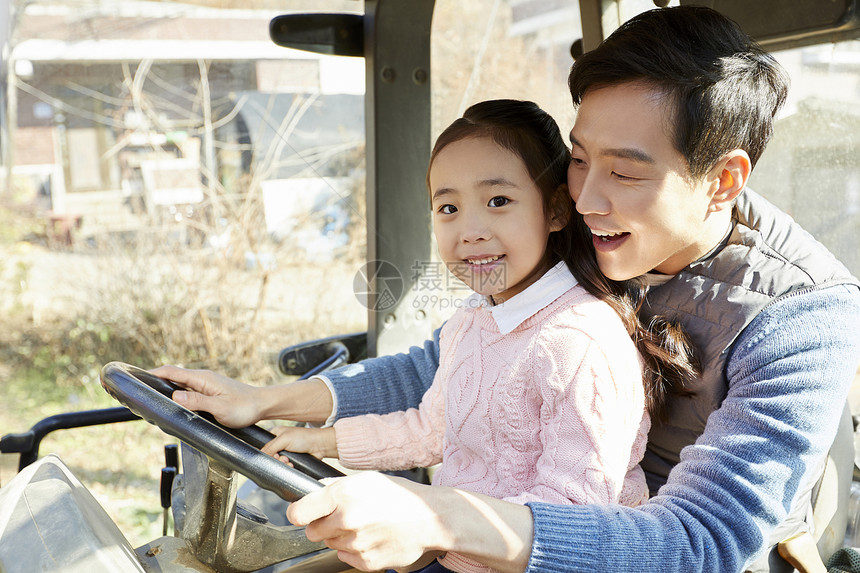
539, 393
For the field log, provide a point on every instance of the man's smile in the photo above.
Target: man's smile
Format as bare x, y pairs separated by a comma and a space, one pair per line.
607, 240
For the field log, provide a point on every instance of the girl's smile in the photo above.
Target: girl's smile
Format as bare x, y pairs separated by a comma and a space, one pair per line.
484, 263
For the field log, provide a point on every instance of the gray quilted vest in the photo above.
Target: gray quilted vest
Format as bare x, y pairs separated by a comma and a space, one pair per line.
766, 256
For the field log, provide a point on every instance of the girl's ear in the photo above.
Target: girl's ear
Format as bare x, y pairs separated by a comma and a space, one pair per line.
730, 177
560, 208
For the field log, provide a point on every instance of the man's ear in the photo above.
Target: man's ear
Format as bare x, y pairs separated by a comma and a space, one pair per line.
729, 177
560, 209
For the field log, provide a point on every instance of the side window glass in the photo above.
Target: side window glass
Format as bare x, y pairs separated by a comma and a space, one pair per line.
811, 168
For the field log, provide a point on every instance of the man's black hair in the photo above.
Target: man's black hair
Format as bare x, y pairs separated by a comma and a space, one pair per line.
722, 87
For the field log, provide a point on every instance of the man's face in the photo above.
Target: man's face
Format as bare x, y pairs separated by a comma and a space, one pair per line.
632, 185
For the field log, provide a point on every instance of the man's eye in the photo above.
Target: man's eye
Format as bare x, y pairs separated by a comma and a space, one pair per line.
447, 209
498, 201
621, 177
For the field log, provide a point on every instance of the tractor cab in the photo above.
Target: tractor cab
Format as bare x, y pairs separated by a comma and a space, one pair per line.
207, 181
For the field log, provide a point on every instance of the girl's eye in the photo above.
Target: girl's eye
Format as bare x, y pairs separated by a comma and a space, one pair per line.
498, 201
447, 209
577, 161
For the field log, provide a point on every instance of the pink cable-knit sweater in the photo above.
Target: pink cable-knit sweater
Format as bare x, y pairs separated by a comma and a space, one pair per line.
552, 411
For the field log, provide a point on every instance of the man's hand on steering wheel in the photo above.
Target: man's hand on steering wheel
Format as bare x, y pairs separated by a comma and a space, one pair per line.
233, 403
373, 521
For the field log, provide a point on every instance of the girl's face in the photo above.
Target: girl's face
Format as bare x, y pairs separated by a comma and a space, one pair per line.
488, 218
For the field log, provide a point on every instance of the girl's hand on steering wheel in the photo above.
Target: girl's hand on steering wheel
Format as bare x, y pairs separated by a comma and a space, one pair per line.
319, 442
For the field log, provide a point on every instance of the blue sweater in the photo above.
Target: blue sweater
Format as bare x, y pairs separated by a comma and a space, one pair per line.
788, 375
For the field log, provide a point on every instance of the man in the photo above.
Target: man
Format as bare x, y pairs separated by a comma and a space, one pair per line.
674, 109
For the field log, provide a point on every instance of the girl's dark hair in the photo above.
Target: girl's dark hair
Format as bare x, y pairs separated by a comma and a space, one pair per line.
533, 135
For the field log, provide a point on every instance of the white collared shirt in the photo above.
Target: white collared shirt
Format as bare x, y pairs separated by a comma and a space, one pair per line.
514, 311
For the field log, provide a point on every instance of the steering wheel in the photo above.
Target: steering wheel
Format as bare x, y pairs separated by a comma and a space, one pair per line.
149, 397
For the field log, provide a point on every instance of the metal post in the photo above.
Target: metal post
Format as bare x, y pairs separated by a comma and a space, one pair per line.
601, 17
8, 98
591, 16
398, 147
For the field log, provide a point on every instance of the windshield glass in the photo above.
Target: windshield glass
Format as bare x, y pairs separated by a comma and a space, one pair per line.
178, 139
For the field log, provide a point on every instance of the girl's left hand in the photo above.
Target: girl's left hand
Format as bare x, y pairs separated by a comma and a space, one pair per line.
319, 442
